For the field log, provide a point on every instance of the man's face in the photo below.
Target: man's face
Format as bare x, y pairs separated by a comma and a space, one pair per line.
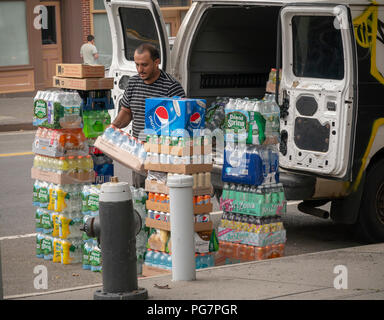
146, 67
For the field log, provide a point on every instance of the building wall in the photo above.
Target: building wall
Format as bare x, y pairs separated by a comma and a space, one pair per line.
86, 18
72, 30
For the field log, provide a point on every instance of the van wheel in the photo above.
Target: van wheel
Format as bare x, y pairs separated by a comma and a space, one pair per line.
370, 225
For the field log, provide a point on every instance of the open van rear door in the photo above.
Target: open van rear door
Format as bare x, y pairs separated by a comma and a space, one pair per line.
318, 95
133, 22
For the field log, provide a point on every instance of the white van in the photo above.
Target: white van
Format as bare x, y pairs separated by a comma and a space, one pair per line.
331, 54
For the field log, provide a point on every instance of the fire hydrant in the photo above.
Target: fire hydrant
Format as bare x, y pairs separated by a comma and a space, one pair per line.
116, 229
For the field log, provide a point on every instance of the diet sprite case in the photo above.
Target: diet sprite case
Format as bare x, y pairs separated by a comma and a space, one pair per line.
174, 116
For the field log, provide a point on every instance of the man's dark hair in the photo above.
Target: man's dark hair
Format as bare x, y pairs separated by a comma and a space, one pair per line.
90, 38
150, 48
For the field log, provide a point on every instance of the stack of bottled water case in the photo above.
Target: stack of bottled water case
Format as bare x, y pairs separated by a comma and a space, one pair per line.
57, 109
253, 199
91, 250
60, 150
58, 222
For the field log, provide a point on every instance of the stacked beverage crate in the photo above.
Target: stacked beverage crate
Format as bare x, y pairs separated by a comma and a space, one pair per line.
172, 153
64, 162
167, 156
253, 200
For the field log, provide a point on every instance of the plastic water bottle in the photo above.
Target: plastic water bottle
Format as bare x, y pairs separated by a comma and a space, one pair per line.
198, 261
135, 147
224, 194
125, 142
108, 133
149, 258
211, 260
232, 192
264, 154
169, 262
203, 261
163, 260
39, 242
156, 259
87, 248
36, 190
142, 153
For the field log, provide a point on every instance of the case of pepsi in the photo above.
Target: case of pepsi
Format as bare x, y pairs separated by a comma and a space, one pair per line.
174, 116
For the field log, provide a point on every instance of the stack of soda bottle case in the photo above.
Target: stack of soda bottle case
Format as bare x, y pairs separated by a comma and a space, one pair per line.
64, 168
253, 200
175, 145
129, 151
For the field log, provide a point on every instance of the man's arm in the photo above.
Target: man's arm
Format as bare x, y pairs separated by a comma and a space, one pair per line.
123, 118
95, 53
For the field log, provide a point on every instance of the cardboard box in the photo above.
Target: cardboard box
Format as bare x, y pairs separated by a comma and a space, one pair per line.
157, 224
156, 187
72, 70
178, 168
174, 116
149, 271
164, 207
37, 174
121, 156
83, 84
178, 151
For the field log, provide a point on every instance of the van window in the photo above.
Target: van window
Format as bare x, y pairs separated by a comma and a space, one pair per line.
138, 27
317, 48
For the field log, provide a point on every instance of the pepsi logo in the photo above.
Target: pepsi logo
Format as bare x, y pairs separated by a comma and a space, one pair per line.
157, 217
195, 119
204, 219
161, 116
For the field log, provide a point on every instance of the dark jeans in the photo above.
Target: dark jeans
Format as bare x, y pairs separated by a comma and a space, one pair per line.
138, 180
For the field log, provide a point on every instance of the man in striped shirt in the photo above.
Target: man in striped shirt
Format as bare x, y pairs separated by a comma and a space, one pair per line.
148, 83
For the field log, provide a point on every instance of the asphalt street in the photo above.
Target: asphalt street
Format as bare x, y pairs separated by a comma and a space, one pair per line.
305, 233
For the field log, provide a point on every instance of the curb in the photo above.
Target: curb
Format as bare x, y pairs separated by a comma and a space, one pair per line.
16, 127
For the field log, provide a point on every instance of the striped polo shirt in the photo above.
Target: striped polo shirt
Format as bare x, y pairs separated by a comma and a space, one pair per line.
137, 91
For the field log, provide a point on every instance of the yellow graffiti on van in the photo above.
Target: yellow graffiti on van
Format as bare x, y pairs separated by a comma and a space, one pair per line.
366, 29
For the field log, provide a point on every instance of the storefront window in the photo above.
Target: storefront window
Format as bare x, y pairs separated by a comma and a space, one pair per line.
98, 5
13, 34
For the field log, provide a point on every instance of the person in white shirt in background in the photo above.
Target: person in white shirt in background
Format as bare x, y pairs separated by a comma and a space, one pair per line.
88, 51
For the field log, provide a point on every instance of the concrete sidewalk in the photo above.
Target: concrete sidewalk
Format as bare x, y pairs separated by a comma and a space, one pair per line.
16, 114
303, 277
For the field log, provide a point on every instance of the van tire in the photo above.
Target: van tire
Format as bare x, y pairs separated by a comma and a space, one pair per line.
370, 224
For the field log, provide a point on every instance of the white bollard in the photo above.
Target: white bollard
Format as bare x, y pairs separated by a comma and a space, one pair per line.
182, 227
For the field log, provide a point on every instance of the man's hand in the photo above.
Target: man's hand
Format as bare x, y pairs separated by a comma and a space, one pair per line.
123, 118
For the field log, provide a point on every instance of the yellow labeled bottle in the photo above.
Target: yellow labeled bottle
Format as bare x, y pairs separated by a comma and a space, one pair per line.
64, 221
57, 250
51, 197
71, 251
56, 224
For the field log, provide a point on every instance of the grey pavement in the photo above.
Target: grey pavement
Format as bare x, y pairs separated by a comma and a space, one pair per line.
16, 113
302, 277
